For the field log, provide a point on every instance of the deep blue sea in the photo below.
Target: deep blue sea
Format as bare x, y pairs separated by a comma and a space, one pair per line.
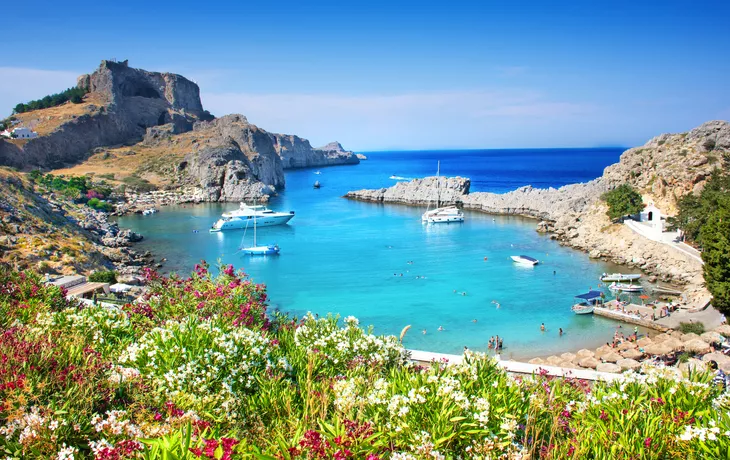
381, 264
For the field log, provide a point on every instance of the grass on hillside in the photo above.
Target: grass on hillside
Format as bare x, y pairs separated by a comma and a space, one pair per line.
45, 121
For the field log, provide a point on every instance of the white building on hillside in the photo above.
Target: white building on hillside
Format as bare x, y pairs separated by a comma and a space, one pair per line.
20, 133
651, 216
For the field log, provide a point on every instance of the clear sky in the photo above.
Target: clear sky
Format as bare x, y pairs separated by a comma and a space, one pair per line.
402, 75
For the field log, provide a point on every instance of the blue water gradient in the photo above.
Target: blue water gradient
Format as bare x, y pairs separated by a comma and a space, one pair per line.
381, 264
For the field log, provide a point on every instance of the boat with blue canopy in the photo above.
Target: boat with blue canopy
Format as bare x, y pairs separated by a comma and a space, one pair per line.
587, 302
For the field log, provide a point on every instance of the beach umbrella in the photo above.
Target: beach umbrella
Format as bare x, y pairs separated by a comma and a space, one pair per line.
643, 297
628, 363
632, 354
719, 358
674, 344
626, 346
697, 346
658, 349
608, 367
644, 341
724, 330
584, 353
712, 337
589, 363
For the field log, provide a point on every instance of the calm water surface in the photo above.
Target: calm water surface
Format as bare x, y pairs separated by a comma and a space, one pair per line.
381, 264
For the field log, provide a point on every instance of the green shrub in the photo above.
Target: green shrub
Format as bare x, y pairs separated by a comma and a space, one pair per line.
623, 201
109, 276
138, 183
697, 328
715, 235
74, 94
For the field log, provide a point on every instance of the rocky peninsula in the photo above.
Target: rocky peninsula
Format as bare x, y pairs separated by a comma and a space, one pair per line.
139, 128
664, 169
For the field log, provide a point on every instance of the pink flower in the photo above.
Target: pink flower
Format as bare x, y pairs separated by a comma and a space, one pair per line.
647, 443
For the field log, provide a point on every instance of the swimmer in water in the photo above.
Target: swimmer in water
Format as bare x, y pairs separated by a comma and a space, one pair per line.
441, 328
424, 331
542, 327
463, 293
474, 320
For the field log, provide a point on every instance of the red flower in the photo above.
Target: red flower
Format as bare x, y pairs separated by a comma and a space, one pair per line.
197, 451
647, 443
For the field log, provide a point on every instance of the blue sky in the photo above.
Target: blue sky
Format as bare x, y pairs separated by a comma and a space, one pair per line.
377, 75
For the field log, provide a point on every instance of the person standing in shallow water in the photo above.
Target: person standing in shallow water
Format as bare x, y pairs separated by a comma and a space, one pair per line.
542, 327
560, 332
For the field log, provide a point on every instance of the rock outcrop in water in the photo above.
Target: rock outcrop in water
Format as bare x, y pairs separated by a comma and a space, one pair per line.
296, 152
133, 100
665, 168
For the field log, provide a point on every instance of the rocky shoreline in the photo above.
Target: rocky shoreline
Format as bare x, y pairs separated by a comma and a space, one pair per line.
664, 169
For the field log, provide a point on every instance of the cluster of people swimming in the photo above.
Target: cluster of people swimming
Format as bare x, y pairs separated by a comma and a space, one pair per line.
495, 343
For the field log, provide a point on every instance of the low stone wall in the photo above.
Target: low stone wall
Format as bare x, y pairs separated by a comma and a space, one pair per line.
620, 316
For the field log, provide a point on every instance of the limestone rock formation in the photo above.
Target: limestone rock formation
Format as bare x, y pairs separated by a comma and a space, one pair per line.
134, 100
429, 190
296, 152
234, 161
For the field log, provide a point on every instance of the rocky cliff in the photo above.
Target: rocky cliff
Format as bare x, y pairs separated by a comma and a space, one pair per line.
52, 235
296, 152
664, 169
233, 161
133, 100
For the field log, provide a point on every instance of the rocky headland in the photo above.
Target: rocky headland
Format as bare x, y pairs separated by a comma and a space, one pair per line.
136, 126
664, 169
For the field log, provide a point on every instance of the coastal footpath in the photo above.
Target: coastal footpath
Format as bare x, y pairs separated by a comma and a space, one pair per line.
665, 168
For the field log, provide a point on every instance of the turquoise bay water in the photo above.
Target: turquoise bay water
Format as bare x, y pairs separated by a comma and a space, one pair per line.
352, 258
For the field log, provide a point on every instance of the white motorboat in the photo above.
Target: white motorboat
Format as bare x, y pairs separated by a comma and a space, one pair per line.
587, 302
620, 277
525, 260
149, 212
246, 215
441, 215
625, 287
318, 172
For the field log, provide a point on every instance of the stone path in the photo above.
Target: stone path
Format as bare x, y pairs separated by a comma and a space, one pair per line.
710, 317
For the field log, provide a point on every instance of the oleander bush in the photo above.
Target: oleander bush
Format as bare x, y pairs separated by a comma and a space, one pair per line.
197, 368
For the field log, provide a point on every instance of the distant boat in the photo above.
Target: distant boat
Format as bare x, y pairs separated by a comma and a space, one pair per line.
394, 177
268, 250
317, 184
148, 212
619, 277
524, 260
445, 215
317, 172
587, 302
625, 287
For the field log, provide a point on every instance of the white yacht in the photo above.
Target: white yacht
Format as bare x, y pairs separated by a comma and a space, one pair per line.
625, 287
524, 260
245, 215
620, 277
441, 215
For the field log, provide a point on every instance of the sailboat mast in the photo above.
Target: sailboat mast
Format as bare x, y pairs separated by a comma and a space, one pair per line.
438, 185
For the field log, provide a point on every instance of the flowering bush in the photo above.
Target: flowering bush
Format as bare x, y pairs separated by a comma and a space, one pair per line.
197, 369
199, 365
